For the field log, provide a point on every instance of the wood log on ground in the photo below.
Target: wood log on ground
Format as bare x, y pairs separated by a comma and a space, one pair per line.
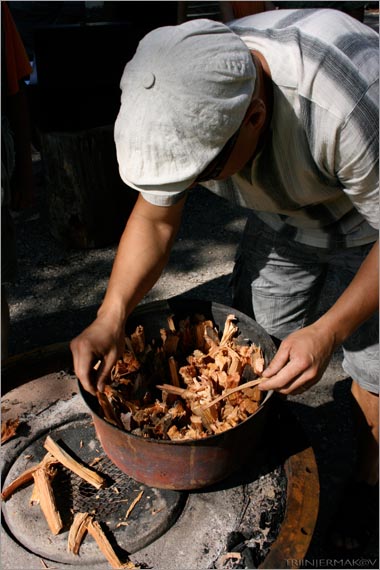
70, 463
43, 477
104, 544
26, 477
77, 532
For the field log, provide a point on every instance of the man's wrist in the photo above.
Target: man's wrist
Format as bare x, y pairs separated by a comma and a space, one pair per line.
333, 329
115, 314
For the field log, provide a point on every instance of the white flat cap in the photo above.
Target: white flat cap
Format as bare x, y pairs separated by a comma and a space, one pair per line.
184, 94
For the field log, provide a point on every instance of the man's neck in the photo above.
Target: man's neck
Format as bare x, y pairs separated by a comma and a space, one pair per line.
264, 91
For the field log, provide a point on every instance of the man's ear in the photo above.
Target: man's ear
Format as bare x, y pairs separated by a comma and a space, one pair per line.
256, 113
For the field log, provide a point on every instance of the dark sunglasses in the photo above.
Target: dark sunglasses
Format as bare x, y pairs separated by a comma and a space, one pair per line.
216, 166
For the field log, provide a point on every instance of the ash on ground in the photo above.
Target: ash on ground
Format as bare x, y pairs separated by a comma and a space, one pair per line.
260, 522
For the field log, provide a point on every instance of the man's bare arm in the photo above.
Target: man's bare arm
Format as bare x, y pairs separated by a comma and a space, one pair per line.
304, 355
142, 254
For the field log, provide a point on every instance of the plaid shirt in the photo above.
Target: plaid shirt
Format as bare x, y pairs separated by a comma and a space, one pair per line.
316, 178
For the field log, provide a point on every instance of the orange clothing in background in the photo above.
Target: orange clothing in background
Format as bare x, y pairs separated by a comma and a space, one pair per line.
16, 59
242, 9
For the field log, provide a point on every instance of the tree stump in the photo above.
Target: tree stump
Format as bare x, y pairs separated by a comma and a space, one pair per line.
88, 203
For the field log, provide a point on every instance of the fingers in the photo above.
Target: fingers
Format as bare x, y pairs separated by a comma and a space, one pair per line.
296, 385
84, 361
279, 361
104, 371
289, 373
285, 381
92, 362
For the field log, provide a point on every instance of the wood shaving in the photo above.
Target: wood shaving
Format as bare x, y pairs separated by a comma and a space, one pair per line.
9, 429
133, 504
201, 374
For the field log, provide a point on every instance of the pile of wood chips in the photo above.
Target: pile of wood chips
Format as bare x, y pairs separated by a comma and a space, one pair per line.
212, 382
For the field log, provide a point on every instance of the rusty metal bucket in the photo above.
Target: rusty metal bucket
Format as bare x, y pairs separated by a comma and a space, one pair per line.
193, 464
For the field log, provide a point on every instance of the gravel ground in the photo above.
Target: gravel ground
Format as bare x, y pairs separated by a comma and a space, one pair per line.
58, 292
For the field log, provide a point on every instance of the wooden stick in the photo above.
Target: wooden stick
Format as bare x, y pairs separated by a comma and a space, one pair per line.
133, 504
84, 472
171, 324
109, 412
42, 478
77, 531
250, 384
183, 392
102, 541
206, 417
173, 371
34, 497
26, 477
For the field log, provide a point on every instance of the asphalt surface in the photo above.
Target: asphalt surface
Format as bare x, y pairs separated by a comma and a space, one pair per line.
58, 292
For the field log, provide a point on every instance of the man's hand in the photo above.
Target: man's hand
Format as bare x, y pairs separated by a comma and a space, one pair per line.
142, 254
300, 361
304, 355
100, 341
